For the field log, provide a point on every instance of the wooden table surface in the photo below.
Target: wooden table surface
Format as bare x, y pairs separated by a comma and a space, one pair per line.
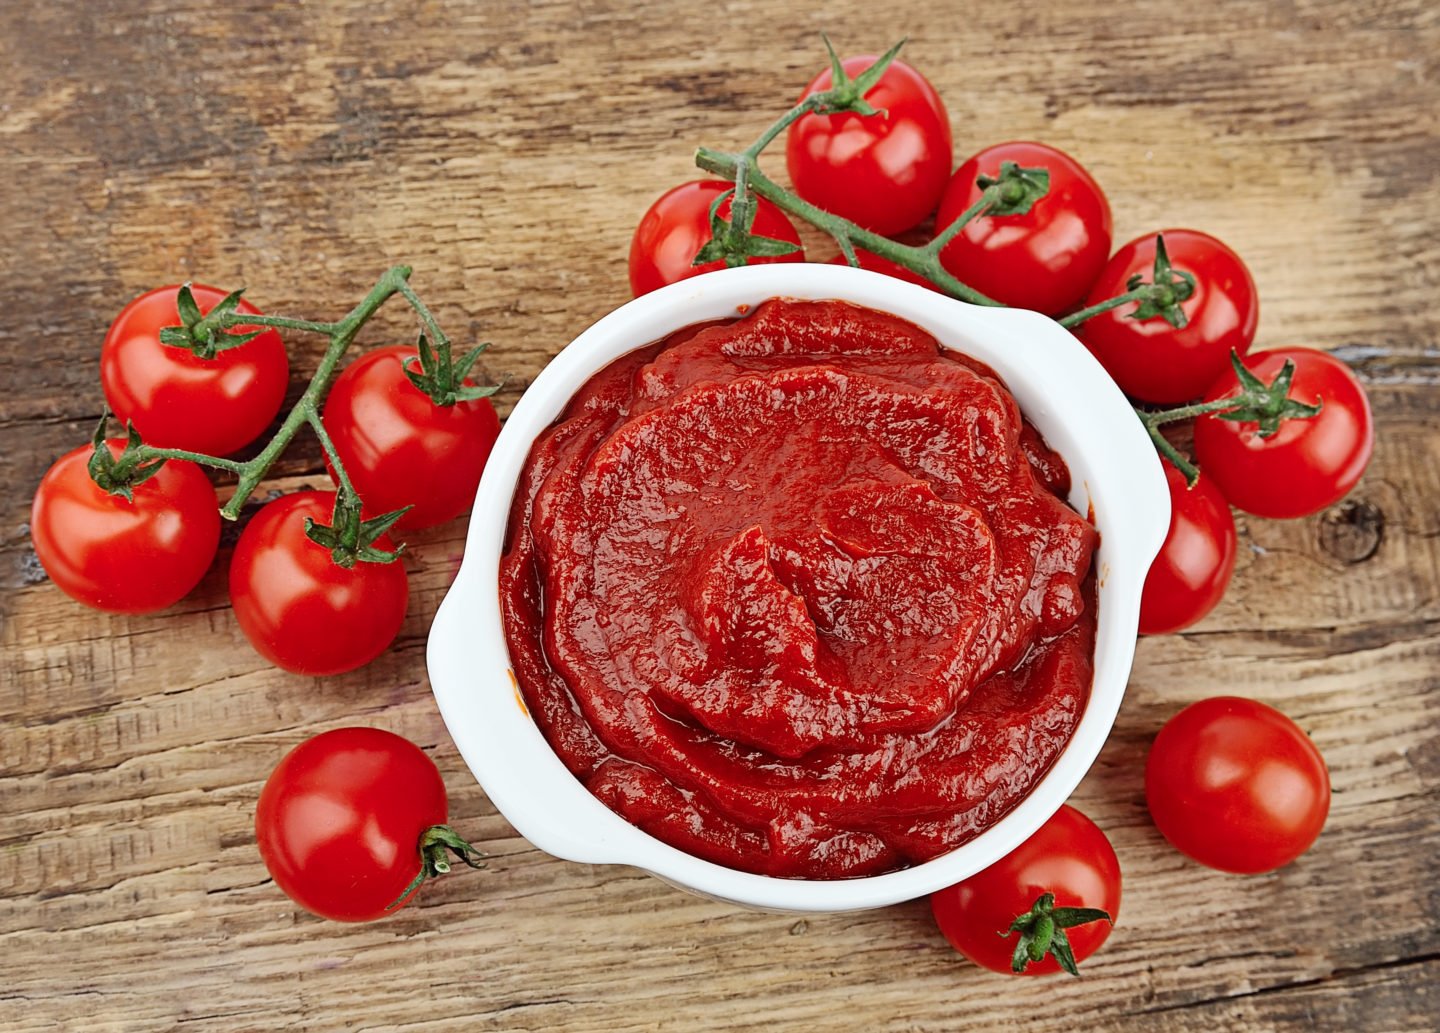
506, 150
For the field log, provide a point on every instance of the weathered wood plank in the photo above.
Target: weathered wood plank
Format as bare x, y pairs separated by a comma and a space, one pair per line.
505, 150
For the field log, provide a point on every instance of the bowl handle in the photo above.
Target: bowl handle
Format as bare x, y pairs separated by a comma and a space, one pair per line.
510, 758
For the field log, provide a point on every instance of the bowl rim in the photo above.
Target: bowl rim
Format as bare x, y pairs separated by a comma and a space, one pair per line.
1062, 389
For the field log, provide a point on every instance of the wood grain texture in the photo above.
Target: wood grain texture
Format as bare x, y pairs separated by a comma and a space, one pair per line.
506, 150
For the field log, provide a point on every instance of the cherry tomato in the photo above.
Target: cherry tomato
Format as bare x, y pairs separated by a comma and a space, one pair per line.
677, 226
124, 555
1307, 464
300, 609
1045, 259
884, 172
876, 264
1236, 785
399, 447
1189, 576
1069, 857
177, 400
340, 821
1152, 360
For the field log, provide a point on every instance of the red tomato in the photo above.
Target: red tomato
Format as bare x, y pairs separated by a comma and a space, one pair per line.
1045, 259
1236, 785
300, 609
118, 554
1307, 464
876, 264
1193, 568
677, 226
1152, 360
177, 400
1069, 857
399, 447
884, 172
340, 821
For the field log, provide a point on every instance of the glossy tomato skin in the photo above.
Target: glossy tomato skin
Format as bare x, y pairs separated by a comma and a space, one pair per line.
876, 264
1307, 464
302, 611
119, 555
176, 400
402, 449
340, 819
1045, 259
883, 172
1236, 785
677, 226
1189, 576
1068, 856
1150, 359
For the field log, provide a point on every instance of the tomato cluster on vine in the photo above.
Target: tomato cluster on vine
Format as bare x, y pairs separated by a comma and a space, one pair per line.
132, 525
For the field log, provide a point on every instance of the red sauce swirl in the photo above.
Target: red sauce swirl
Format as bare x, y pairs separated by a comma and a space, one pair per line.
798, 593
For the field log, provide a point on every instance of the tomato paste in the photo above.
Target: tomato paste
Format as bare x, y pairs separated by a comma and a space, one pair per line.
798, 593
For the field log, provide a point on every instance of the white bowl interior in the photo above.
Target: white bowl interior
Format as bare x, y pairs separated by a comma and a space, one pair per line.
1061, 389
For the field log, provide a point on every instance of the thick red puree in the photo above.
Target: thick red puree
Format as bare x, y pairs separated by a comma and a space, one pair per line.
797, 593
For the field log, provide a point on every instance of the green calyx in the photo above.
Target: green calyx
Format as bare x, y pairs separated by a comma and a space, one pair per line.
442, 378
205, 336
1018, 188
1266, 404
435, 842
846, 94
1042, 932
731, 240
118, 475
1168, 287
350, 538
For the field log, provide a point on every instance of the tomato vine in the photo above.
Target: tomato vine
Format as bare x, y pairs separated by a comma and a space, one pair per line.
349, 538
1013, 192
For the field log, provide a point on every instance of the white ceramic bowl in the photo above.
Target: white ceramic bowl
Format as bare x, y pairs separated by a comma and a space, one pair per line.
1060, 388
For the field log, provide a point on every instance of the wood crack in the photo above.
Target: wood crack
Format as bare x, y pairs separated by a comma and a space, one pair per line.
1338, 975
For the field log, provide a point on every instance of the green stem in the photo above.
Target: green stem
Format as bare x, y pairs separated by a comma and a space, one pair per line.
1076, 318
785, 121
1185, 412
318, 426
949, 233
434, 843
148, 452
1248, 397
307, 409
1169, 451
442, 343
278, 322
916, 259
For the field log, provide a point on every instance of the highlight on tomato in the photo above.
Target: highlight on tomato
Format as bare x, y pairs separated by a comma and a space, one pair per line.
1188, 577
352, 822
308, 606
1044, 907
137, 544
883, 171
684, 220
1045, 258
1171, 351
185, 387
1297, 466
1237, 785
